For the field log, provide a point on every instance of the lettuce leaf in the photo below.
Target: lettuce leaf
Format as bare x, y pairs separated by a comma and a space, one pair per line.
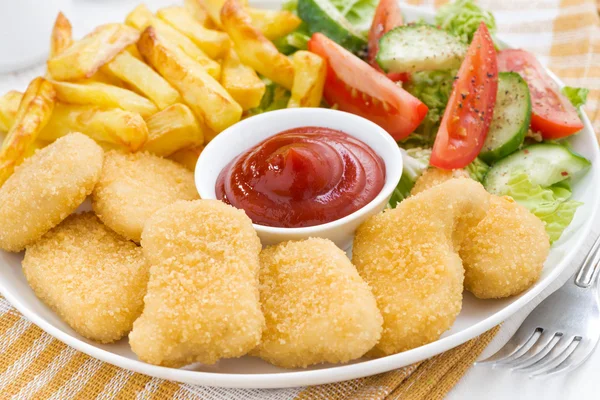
462, 18
359, 13
477, 169
415, 161
276, 97
577, 96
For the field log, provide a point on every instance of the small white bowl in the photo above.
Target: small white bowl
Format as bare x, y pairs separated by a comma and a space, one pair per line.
249, 132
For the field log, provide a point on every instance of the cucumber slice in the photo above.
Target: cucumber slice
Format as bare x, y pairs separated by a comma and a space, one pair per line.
512, 115
322, 16
545, 163
412, 48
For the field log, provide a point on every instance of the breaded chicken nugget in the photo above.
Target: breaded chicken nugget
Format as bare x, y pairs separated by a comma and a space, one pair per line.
46, 188
434, 176
202, 302
94, 279
504, 254
408, 256
134, 186
316, 306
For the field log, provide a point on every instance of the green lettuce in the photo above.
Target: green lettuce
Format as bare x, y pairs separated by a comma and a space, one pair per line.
415, 160
359, 13
462, 18
477, 169
276, 97
551, 204
577, 96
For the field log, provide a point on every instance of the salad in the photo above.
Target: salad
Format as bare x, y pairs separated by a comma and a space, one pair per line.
451, 96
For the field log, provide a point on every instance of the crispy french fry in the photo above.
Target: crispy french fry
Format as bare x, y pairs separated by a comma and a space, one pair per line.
143, 78
103, 77
209, 101
213, 8
197, 10
84, 57
309, 78
241, 81
214, 43
172, 129
62, 35
103, 95
134, 52
141, 18
273, 24
9, 105
187, 157
124, 129
33, 114
254, 49
35, 146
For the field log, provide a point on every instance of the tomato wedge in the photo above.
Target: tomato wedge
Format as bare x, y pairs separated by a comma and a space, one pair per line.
470, 108
355, 87
387, 17
552, 113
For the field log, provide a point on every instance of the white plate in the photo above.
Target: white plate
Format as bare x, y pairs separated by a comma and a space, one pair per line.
476, 317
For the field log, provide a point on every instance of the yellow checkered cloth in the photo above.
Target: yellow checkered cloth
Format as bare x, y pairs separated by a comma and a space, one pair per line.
565, 34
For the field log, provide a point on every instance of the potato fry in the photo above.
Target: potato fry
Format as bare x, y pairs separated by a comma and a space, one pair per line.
141, 18
84, 57
213, 8
32, 115
254, 49
62, 35
309, 79
172, 129
124, 129
214, 43
273, 24
103, 95
187, 157
203, 94
132, 49
198, 12
9, 105
241, 81
144, 79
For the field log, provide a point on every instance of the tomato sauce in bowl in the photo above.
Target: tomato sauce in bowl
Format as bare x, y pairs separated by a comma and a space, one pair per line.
302, 177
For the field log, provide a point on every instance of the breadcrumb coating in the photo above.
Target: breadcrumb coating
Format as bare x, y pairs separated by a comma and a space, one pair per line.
47, 188
316, 306
134, 186
504, 254
94, 279
408, 256
202, 302
434, 176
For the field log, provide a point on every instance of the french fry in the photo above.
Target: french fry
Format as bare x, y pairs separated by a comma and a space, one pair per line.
103, 95
132, 49
9, 105
84, 57
187, 157
241, 82
273, 24
214, 43
197, 10
172, 129
125, 130
254, 49
141, 18
32, 115
144, 79
209, 101
309, 78
61, 37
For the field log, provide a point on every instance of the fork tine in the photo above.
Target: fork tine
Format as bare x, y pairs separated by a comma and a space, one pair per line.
581, 353
558, 360
519, 343
549, 359
543, 346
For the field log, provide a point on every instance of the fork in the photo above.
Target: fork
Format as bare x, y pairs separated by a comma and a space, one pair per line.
562, 331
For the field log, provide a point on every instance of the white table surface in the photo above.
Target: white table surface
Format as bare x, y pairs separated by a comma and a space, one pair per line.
480, 382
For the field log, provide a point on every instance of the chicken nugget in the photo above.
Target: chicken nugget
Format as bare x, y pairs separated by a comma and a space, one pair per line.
408, 256
504, 254
94, 279
434, 176
202, 302
316, 306
132, 187
47, 188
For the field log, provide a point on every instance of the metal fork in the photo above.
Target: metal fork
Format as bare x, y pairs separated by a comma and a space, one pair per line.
562, 331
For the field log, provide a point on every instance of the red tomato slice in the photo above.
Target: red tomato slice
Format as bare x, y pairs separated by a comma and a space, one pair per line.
387, 17
552, 113
470, 108
357, 88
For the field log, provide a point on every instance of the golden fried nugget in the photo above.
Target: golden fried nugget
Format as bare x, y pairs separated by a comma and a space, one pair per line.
46, 188
408, 256
94, 279
316, 306
134, 186
202, 302
434, 176
504, 254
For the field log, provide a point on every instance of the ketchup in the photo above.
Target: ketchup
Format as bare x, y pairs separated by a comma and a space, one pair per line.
302, 177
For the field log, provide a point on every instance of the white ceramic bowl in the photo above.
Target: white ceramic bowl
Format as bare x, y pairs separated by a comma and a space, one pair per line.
250, 132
